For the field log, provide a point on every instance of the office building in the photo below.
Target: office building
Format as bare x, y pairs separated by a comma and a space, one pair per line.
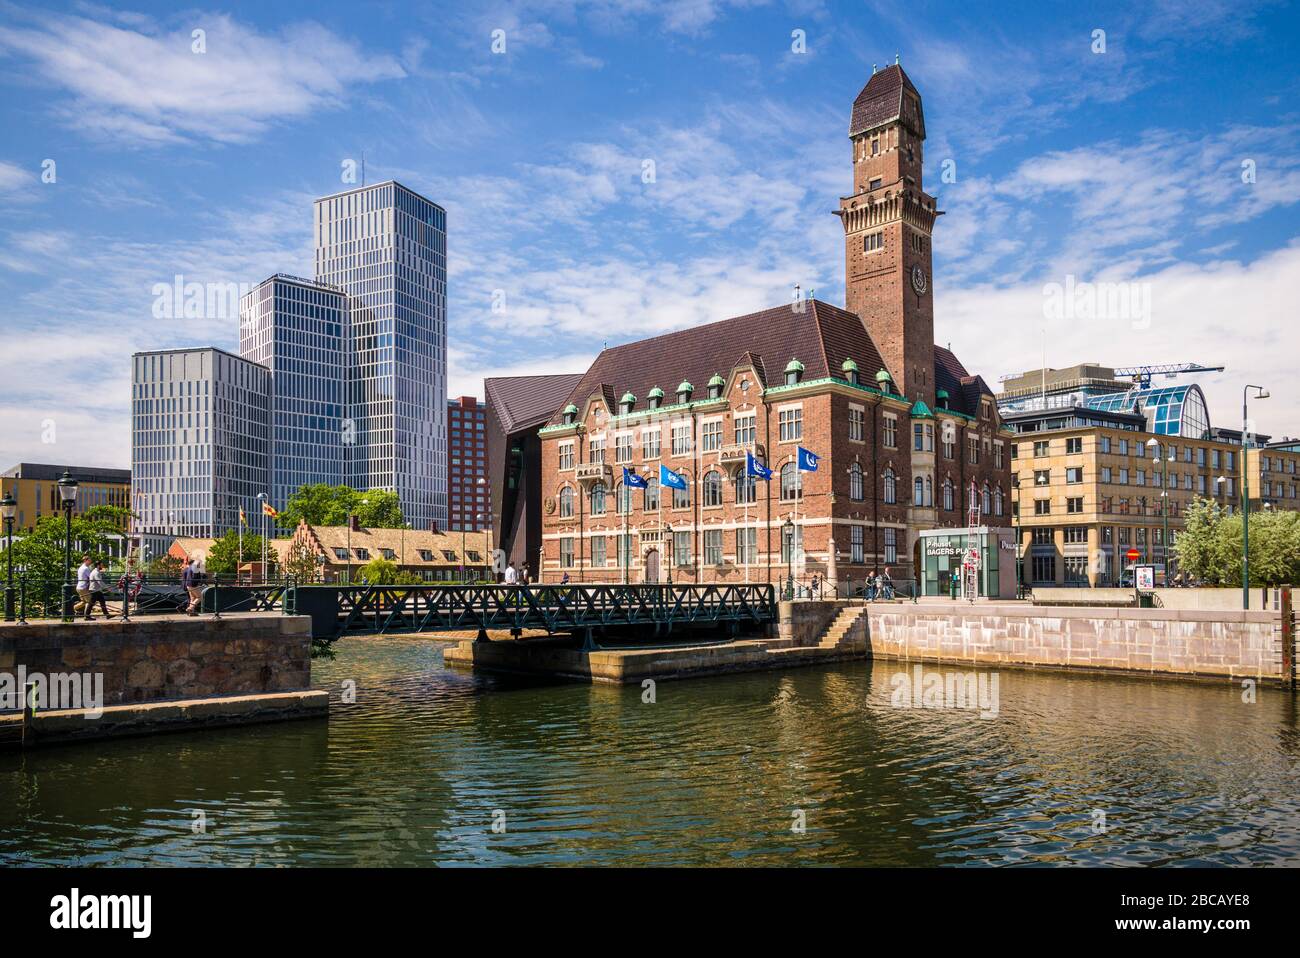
34, 486
468, 491
200, 435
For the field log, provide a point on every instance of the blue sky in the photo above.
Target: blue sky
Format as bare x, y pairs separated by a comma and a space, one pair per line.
1121, 165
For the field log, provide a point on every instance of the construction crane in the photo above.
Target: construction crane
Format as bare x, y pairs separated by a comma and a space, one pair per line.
1141, 375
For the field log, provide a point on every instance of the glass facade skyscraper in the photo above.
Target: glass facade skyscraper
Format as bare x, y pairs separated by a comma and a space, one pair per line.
386, 247
200, 424
297, 329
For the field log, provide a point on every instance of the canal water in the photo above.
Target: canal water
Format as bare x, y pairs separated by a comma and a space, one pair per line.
822, 766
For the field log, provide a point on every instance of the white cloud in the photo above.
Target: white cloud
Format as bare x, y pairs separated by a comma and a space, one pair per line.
14, 178
1226, 312
144, 84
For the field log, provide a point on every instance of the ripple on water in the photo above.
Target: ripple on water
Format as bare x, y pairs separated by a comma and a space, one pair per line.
1072, 769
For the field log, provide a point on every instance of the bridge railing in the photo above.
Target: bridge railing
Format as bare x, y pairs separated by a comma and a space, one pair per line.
363, 608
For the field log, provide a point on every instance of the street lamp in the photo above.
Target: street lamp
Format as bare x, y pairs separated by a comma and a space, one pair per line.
787, 533
1154, 445
671, 550
8, 509
68, 497
1261, 393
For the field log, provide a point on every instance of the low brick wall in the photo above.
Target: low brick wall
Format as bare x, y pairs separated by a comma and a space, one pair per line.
168, 657
1135, 640
805, 621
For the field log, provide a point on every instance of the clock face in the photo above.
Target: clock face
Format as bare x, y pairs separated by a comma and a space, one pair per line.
918, 279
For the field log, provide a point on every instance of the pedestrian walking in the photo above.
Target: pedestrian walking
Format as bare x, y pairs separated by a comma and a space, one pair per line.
512, 574
871, 585
83, 586
190, 580
96, 587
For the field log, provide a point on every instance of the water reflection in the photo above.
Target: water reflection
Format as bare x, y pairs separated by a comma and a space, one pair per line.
1073, 769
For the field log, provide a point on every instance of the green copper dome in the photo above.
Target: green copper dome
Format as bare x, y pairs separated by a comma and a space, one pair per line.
656, 393
921, 411
685, 387
849, 366
883, 376
794, 366
628, 398
717, 380
941, 394
570, 410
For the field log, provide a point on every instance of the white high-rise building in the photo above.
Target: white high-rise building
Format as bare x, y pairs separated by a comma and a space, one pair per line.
200, 425
386, 247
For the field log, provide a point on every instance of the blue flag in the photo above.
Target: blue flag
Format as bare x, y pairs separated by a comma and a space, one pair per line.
671, 479
755, 468
630, 478
808, 460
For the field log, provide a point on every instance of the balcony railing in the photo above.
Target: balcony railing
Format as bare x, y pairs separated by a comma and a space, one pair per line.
736, 452
593, 472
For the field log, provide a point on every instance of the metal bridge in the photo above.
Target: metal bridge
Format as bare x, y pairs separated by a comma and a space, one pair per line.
363, 609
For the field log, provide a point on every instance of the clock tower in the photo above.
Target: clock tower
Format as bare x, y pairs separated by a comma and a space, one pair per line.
888, 222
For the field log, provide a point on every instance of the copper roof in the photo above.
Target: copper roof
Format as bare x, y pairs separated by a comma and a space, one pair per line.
820, 336
881, 100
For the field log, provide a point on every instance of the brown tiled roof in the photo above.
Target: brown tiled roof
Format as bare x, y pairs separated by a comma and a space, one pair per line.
821, 336
407, 548
525, 401
964, 390
881, 100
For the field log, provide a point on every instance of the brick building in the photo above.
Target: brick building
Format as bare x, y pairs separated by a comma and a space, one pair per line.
902, 430
468, 500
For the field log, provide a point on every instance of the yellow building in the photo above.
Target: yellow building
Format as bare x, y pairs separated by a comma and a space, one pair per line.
35, 487
1085, 493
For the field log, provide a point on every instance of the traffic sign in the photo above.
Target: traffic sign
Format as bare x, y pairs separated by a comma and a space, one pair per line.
1132, 555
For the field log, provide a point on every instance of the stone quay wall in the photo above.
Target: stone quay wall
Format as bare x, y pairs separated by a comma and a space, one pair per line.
160, 658
1175, 642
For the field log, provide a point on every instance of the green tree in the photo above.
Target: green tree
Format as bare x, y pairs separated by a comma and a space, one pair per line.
300, 562
224, 557
40, 553
384, 572
1209, 547
325, 505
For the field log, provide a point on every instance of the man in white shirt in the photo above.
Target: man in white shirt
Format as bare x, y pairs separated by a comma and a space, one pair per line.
512, 577
83, 586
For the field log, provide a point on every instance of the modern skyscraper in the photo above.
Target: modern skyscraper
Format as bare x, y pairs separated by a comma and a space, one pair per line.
200, 427
469, 504
297, 329
386, 247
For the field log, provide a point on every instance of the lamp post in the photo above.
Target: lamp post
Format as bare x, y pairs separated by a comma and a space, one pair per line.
1261, 393
68, 498
671, 550
787, 532
1154, 445
8, 509
262, 499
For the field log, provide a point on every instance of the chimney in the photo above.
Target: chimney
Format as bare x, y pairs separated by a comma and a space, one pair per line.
433, 526
354, 523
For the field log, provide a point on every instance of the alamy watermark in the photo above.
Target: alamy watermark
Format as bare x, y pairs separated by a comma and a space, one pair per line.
1071, 300
973, 691
58, 690
182, 300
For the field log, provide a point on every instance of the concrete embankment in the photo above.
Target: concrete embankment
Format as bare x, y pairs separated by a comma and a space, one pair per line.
79, 680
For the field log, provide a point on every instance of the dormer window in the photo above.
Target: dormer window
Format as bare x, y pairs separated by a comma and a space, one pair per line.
716, 385
656, 398
626, 404
850, 370
883, 382
941, 397
793, 372
570, 414
684, 392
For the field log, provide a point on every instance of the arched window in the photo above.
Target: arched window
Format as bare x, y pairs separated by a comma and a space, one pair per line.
856, 491
997, 501
987, 503
791, 488
650, 501
746, 489
918, 491
713, 488
598, 499
682, 497
623, 499
929, 491
947, 495
566, 503
891, 486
